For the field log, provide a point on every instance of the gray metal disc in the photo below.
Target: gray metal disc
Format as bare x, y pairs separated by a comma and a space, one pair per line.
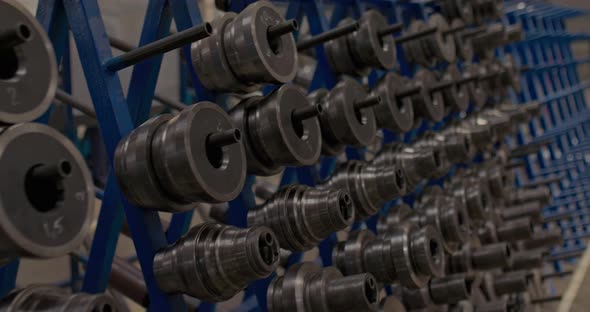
28, 72
284, 140
463, 45
478, 92
427, 104
348, 126
42, 222
413, 49
441, 46
185, 170
396, 114
340, 57
366, 44
210, 63
249, 52
456, 97
330, 144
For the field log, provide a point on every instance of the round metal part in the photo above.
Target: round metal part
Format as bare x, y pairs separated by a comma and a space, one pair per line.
458, 9
544, 239
274, 137
532, 210
526, 260
491, 256
463, 44
394, 113
458, 145
339, 55
46, 209
510, 282
427, 104
405, 254
133, 164
478, 91
189, 167
456, 97
28, 70
441, 45
252, 55
413, 50
511, 73
474, 195
51, 298
302, 217
308, 287
367, 47
341, 122
391, 304
329, 147
211, 64
214, 262
451, 288
513, 230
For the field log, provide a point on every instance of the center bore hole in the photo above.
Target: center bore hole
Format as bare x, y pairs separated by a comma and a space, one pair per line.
437, 160
24, 30
44, 185
104, 308
371, 289
460, 219
215, 152
345, 205
434, 250
9, 64
266, 248
400, 179
467, 143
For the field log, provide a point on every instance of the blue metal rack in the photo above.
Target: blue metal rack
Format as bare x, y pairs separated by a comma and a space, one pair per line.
553, 79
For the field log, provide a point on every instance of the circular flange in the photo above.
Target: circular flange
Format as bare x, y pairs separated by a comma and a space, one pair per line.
340, 57
463, 45
368, 47
289, 290
190, 168
135, 173
478, 93
250, 53
330, 146
456, 97
441, 46
394, 113
210, 63
28, 71
283, 139
43, 215
429, 104
345, 123
413, 49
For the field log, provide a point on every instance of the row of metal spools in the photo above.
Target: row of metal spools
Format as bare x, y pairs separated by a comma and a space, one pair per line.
472, 242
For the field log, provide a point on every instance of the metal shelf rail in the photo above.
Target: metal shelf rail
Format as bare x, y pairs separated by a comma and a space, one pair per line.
552, 79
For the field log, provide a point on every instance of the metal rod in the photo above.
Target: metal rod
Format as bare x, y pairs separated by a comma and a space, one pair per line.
390, 29
224, 138
11, 38
442, 85
426, 32
158, 47
409, 91
544, 181
454, 30
488, 76
327, 36
307, 112
52, 172
529, 148
368, 102
565, 256
120, 44
474, 32
169, 102
515, 163
283, 28
556, 274
467, 79
546, 299
67, 99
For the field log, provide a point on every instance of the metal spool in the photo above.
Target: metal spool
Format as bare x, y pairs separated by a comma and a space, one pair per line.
51, 298
211, 64
474, 195
511, 74
480, 131
368, 48
463, 44
456, 97
329, 148
413, 49
306, 216
395, 113
309, 287
46, 209
441, 45
274, 137
427, 104
485, 42
457, 144
339, 55
214, 262
250, 53
341, 123
171, 160
477, 89
458, 9
28, 70
405, 254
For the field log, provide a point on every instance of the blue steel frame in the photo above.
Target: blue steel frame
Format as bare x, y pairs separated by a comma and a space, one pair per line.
553, 80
